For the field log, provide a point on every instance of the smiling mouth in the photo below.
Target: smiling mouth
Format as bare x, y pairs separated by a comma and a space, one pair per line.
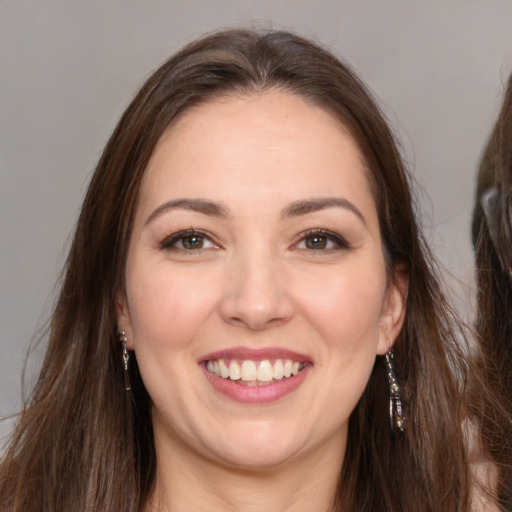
248, 372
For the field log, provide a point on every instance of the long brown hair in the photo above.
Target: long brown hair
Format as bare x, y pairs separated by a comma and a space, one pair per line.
82, 443
492, 237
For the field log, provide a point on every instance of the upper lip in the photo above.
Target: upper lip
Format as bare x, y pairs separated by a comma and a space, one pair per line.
259, 354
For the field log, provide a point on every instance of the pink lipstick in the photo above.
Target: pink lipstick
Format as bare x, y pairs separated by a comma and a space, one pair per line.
255, 376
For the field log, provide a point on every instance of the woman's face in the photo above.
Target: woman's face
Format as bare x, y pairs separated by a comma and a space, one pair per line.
256, 292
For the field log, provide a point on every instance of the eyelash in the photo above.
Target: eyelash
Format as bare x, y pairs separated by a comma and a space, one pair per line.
169, 243
338, 240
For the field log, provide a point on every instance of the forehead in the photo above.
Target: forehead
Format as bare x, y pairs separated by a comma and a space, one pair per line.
253, 142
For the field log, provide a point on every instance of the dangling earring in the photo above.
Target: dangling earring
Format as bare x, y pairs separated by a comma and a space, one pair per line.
126, 356
396, 416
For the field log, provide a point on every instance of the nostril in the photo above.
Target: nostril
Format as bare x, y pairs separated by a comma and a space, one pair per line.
255, 315
256, 323
255, 296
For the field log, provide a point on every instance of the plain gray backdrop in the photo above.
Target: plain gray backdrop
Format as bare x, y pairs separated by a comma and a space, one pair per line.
69, 68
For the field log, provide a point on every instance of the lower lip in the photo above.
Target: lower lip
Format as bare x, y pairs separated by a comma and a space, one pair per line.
257, 394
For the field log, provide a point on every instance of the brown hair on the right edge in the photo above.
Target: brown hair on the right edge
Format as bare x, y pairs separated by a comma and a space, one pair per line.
83, 444
492, 238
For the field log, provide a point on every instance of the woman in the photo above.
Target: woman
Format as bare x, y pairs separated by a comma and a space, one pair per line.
492, 238
247, 264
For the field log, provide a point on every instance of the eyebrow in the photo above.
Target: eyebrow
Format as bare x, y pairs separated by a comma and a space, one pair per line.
198, 205
295, 209
304, 207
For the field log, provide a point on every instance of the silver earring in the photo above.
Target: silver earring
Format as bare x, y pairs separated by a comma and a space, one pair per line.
396, 416
126, 357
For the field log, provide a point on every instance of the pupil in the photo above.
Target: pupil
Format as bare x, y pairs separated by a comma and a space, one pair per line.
193, 242
316, 242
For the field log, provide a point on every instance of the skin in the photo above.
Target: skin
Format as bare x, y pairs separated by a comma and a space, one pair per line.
258, 281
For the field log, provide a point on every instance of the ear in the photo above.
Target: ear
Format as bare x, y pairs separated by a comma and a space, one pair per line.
394, 307
123, 317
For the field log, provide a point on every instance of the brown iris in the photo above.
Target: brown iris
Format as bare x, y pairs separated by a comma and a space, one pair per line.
316, 242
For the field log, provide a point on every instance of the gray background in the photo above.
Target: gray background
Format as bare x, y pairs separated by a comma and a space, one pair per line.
69, 68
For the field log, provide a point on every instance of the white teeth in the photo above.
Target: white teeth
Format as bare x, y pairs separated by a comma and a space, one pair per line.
288, 368
248, 371
234, 371
278, 372
252, 372
265, 371
224, 370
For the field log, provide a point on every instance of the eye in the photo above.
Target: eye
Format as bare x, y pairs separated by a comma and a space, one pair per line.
187, 240
317, 242
322, 240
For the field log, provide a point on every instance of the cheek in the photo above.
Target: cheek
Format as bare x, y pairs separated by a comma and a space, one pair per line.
346, 307
167, 308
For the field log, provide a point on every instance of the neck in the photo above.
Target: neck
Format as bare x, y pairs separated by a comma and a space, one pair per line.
187, 481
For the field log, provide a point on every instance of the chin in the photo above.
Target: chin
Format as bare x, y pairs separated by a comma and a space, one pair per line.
256, 448
255, 460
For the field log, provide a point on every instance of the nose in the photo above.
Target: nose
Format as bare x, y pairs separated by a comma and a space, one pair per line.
255, 294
